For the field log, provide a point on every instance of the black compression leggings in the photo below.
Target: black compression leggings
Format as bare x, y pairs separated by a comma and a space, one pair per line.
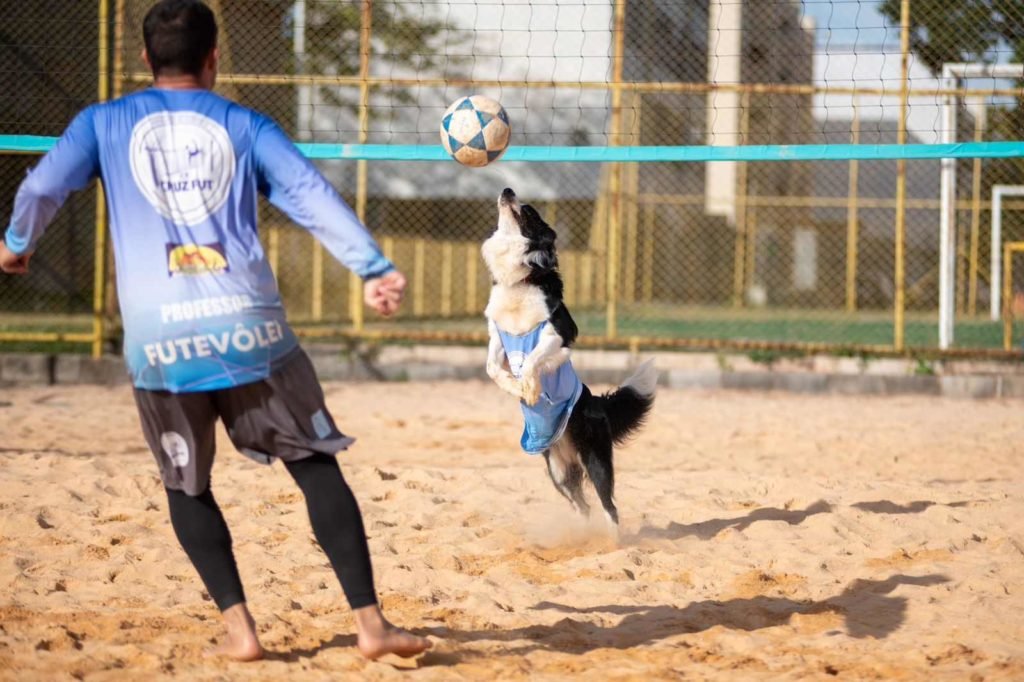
333, 512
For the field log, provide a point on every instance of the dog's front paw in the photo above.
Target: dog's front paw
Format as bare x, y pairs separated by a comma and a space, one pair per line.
531, 389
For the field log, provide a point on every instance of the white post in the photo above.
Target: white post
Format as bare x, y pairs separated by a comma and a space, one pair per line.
725, 19
304, 94
947, 217
996, 269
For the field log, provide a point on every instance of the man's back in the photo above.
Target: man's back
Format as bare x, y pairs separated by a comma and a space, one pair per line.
182, 170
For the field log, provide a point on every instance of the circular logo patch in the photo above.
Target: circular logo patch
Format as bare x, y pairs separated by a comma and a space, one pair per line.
175, 447
183, 163
516, 359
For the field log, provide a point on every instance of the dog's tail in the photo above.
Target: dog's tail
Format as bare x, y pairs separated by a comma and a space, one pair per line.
628, 406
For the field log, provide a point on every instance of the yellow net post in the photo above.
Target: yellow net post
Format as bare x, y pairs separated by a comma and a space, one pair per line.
972, 273
100, 244
471, 279
901, 183
316, 302
365, 33
447, 274
614, 214
741, 245
630, 209
852, 219
647, 288
1009, 249
419, 277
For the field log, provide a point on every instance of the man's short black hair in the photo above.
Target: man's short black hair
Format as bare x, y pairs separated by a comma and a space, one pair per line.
179, 35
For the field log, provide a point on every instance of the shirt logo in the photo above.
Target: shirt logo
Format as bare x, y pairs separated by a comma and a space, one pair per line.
183, 163
321, 426
196, 259
515, 363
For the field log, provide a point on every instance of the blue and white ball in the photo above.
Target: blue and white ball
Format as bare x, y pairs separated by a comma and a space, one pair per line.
475, 130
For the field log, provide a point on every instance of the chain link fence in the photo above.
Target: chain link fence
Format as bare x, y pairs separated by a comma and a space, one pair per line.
780, 255
48, 62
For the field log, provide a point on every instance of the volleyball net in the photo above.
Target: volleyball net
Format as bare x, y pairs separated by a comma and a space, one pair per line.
834, 176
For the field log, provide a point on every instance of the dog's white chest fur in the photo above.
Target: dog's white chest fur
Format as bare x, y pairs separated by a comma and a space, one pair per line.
517, 308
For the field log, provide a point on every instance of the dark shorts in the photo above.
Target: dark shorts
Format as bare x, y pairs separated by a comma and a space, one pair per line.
281, 417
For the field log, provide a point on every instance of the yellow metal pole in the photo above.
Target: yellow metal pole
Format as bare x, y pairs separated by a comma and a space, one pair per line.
274, 248
365, 34
639, 86
751, 250
821, 202
569, 274
316, 303
226, 59
972, 275
110, 310
901, 183
739, 251
472, 277
47, 337
632, 208
119, 19
629, 273
419, 277
586, 278
615, 189
852, 220
648, 257
447, 256
1008, 295
100, 243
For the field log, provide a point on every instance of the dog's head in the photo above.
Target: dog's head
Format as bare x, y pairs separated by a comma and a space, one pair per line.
522, 243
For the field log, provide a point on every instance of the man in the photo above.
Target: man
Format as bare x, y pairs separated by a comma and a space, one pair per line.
205, 331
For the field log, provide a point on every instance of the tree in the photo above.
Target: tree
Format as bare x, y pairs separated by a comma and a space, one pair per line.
257, 38
944, 31
408, 41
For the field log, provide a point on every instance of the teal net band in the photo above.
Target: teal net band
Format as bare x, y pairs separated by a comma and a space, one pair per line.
31, 144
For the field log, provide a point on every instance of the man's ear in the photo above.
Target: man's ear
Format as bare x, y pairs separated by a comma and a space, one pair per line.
210, 68
145, 59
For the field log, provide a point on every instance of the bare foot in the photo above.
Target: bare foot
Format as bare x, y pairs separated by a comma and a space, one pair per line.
241, 642
377, 637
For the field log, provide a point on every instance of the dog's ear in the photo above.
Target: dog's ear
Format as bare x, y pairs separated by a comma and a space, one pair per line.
540, 251
535, 229
530, 218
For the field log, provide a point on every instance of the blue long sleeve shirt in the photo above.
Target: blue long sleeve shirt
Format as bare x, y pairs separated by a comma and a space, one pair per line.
182, 170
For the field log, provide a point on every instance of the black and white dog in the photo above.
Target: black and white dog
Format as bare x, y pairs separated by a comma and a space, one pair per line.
531, 334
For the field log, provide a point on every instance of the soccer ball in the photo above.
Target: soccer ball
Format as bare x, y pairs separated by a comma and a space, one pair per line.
475, 130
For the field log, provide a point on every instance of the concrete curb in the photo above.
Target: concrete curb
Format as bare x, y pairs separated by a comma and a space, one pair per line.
697, 372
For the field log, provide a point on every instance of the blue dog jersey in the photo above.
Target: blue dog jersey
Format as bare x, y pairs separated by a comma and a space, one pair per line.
560, 391
182, 170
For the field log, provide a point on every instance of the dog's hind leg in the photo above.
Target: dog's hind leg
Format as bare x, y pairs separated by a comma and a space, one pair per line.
567, 474
597, 458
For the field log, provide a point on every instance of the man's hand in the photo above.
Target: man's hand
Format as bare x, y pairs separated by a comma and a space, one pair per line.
11, 263
384, 294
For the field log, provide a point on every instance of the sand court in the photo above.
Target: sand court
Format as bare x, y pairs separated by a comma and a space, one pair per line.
763, 535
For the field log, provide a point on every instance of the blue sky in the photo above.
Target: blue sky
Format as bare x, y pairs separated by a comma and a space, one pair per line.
851, 24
